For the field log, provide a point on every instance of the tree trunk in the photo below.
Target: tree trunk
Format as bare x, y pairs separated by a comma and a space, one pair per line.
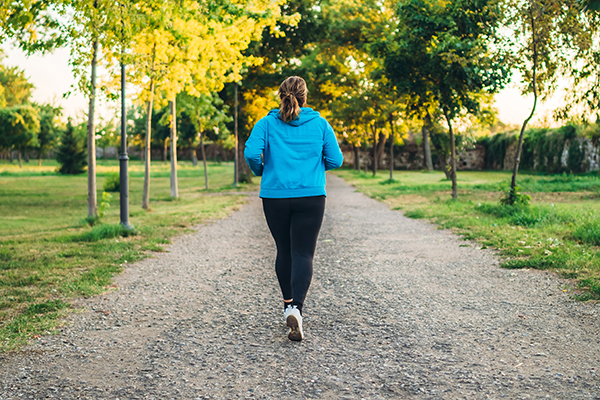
244, 172
148, 152
174, 188
91, 136
165, 149
20, 161
40, 160
367, 161
452, 157
374, 150
356, 157
426, 147
380, 147
513, 181
391, 147
235, 131
204, 160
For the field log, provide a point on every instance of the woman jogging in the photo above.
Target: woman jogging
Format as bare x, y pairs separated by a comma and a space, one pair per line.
297, 146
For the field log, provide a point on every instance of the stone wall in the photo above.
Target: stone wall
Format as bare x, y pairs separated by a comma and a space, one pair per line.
590, 160
411, 157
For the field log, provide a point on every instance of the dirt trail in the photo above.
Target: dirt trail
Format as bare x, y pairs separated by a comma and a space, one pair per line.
397, 309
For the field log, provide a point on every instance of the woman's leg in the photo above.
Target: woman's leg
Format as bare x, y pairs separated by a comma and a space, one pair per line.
306, 219
278, 216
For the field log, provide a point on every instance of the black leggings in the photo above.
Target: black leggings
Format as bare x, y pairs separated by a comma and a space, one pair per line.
295, 224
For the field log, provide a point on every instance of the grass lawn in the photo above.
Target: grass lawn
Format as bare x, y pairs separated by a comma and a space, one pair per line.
559, 231
48, 254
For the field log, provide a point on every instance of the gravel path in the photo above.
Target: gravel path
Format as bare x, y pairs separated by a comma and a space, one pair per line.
397, 309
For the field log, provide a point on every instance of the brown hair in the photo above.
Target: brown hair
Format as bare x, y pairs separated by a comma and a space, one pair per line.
292, 96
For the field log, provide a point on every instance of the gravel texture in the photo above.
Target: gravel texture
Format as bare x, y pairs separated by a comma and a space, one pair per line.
397, 309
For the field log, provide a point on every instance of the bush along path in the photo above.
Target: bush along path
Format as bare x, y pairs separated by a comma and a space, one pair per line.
397, 309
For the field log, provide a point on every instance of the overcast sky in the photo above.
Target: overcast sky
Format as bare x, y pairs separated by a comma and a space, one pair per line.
52, 77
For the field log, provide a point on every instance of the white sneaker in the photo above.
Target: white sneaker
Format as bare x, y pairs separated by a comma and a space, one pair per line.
293, 320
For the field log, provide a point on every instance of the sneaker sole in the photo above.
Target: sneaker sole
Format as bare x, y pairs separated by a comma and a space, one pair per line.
295, 333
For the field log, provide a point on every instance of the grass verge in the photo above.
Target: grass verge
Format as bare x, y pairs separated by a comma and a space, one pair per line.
560, 231
49, 255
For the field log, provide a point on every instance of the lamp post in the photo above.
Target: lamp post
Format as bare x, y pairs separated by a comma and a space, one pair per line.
123, 157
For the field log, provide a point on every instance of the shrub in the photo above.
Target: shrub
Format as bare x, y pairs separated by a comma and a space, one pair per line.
104, 204
112, 183
514, 197
100, 232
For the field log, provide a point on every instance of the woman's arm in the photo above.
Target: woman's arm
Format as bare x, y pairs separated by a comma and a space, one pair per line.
255, 146
331, 150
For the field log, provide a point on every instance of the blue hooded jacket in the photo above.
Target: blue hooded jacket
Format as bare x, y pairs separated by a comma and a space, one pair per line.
295, 155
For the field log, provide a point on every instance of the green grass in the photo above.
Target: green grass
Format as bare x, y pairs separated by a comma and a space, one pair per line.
559, 231
49, 255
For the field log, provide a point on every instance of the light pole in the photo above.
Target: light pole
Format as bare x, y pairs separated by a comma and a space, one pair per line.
123, 157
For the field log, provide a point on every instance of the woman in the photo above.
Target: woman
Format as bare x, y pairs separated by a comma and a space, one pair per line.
297, 146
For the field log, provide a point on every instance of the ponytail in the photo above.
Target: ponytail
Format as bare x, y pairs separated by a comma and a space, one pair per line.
292, 96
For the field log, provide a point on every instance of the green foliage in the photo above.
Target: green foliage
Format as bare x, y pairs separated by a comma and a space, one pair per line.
495, 149
104, 204
202, 113
112, 183
513, 196
71, 155
49, 131
32, 24
590, 5
443, 55
18, 127
543, 148
576, 156
15, 89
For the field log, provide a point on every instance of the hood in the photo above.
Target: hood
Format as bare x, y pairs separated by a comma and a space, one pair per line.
306, 114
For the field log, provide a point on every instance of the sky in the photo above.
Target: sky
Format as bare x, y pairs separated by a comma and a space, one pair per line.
52, 77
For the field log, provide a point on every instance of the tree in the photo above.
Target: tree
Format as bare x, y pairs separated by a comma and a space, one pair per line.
48, 134
71, 154
18, 128
91, 27
543, 32
15, 89
32, 24
200, 48
205, 114
444, 48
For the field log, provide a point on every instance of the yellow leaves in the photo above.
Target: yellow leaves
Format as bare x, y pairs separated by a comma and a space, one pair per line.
185, 49
258, 104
